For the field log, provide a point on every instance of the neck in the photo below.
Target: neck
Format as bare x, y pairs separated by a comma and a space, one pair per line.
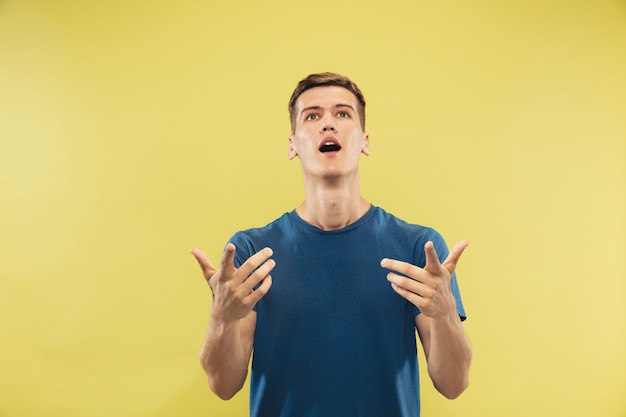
333, 206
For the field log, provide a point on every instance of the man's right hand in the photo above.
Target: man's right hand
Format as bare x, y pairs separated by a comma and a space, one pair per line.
234, 293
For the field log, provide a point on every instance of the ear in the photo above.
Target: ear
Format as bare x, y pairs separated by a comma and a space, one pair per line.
291, 151
366, 144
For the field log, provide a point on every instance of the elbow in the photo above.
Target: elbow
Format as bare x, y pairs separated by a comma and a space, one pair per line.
452, 392
223, 394
224, 388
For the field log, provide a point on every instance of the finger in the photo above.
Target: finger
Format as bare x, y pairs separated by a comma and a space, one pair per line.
432, 259
257, 276
455, 254
260, 292
205, 264
228, 260
410, 296
409, 284
402, 267
254, 262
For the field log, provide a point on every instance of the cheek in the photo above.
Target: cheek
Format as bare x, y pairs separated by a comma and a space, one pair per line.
297, 147
302, 141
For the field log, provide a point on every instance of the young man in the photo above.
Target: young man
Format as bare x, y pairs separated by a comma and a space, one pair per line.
333, 326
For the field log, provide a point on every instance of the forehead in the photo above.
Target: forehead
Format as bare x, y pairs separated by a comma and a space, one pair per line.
327, 97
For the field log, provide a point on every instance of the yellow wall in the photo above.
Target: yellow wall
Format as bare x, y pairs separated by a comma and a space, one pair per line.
132, 131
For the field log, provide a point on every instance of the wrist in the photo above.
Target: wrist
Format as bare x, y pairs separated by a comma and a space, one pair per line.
219, 325
447, 318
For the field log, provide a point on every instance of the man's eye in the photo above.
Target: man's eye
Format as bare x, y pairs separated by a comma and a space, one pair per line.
343, 114
311, 116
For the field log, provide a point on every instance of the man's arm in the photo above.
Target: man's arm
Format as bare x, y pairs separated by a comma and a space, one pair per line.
448, 353
446, 346
226, 350
225, 355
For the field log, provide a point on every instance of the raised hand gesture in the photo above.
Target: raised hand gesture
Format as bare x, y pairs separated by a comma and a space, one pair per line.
427, 288
234, 293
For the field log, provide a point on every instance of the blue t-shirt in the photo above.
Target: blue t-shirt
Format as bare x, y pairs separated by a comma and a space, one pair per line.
332, 337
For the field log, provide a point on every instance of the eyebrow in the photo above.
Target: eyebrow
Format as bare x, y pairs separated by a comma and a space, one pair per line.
336, 106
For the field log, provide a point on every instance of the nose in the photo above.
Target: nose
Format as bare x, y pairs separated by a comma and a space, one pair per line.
327, 124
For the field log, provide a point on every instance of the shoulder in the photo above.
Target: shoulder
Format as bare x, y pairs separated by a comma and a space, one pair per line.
410, 235
396, 224
250, 241
273, 227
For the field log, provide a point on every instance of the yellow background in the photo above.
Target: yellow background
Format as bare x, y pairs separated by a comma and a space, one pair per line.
132, 131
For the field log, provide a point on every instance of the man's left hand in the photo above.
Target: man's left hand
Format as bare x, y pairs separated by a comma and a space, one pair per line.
427, 288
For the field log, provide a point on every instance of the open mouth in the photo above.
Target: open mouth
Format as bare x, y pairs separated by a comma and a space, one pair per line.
329, 147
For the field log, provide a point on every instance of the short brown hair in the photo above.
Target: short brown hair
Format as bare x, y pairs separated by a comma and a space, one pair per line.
322, 80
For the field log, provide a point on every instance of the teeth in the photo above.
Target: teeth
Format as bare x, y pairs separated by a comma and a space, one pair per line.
330, 146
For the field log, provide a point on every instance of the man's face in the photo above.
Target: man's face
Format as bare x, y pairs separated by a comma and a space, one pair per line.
328, 137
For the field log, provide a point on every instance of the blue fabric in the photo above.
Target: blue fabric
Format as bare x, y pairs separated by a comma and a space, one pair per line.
332, 337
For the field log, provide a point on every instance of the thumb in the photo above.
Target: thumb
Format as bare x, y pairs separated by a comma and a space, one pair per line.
208, 270
455, 254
